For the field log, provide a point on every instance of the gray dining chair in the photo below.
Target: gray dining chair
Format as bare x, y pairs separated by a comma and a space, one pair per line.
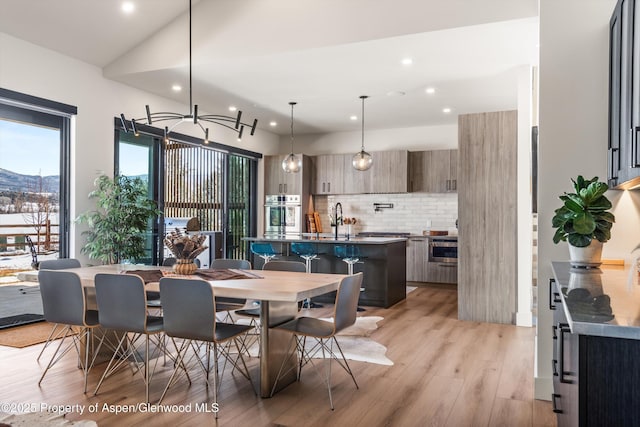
324, 333
64, 303
122, 307
226, 304
55, 264
189, 314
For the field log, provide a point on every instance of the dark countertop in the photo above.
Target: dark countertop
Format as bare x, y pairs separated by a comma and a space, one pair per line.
328, 239
598, 301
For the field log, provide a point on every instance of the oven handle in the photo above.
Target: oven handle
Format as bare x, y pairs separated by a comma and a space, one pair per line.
443, 244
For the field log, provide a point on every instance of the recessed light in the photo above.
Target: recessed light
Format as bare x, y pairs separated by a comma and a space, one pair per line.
446, 110
273, 124
353, 118
128, 7
430, 90
176, 88
233, 108
407, 61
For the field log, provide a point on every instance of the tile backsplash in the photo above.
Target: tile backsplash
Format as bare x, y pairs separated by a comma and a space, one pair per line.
411, 212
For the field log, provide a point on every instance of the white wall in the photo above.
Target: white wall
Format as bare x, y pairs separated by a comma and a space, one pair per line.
30, 69
524, 203
415, 138
573, 138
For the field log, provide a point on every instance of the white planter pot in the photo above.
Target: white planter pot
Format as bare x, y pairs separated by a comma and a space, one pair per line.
589, 256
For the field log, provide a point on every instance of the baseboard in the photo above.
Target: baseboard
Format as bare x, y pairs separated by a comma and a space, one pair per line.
524, 318
543, 387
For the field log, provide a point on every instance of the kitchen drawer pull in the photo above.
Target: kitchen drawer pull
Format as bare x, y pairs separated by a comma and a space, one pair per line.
562, 328
285, 188
554, 364
279, 188
556, 410
553, 295
448, 264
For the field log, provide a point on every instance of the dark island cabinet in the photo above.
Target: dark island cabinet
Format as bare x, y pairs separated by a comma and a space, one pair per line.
623, 156
596, 379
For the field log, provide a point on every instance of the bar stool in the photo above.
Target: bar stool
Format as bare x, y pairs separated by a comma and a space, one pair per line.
264, 251
350, 254
307, 252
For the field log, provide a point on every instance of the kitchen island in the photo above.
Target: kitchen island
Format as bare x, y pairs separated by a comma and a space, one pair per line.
382, 260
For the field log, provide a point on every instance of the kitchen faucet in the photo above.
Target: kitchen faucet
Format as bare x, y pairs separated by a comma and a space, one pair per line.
338, 217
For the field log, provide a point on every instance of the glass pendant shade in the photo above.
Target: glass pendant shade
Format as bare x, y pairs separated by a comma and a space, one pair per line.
362, 161
291, 164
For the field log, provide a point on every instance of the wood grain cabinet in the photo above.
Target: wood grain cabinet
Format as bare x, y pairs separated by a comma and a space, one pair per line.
277, 181
328, 174
389, 172
334, 174
434, 171
417, 252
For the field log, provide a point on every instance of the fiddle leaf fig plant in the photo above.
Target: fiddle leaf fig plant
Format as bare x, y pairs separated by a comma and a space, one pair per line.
584, 215
117, 228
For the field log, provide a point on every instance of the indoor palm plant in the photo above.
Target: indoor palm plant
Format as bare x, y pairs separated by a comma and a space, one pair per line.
584, 221
117, 228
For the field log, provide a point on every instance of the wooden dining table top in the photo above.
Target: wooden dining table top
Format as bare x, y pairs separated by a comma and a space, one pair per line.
265, 285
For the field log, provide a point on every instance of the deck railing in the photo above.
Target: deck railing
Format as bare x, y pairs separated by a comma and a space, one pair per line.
45, 236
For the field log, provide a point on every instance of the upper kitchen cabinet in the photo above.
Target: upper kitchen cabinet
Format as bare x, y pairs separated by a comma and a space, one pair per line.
334, 174
434, 171
328, 176
623, 154
389, 172
277, 181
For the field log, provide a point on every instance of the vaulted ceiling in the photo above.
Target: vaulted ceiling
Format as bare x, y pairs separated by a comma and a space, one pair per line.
258, 55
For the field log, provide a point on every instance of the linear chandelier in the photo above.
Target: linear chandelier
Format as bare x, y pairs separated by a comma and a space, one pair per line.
230, 122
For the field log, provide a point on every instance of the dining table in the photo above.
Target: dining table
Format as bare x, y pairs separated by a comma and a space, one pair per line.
278, 293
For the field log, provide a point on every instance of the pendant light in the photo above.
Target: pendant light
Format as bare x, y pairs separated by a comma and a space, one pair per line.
292, 163
362, 160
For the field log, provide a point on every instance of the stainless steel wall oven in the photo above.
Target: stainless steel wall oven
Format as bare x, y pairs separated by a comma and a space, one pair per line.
283, 215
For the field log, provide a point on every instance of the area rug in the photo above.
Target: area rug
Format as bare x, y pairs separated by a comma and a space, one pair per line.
355, 342
42, 419
24, 336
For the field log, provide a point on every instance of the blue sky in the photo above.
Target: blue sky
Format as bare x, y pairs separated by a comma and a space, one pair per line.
28, 149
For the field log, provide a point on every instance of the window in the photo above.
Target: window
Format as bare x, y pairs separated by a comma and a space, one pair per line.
34, 164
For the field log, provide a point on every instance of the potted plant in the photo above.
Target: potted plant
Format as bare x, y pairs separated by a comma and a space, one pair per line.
584, 221
117, 228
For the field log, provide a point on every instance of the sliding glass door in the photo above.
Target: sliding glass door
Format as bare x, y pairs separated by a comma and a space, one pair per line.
34, 179
138, 157
209, 184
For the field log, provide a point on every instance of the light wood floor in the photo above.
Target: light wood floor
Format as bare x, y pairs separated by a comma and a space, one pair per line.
446, 373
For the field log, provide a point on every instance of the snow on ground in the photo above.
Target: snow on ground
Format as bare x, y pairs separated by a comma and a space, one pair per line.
19, 261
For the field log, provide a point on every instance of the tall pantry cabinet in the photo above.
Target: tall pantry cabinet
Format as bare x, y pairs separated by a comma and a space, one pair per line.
487, 275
